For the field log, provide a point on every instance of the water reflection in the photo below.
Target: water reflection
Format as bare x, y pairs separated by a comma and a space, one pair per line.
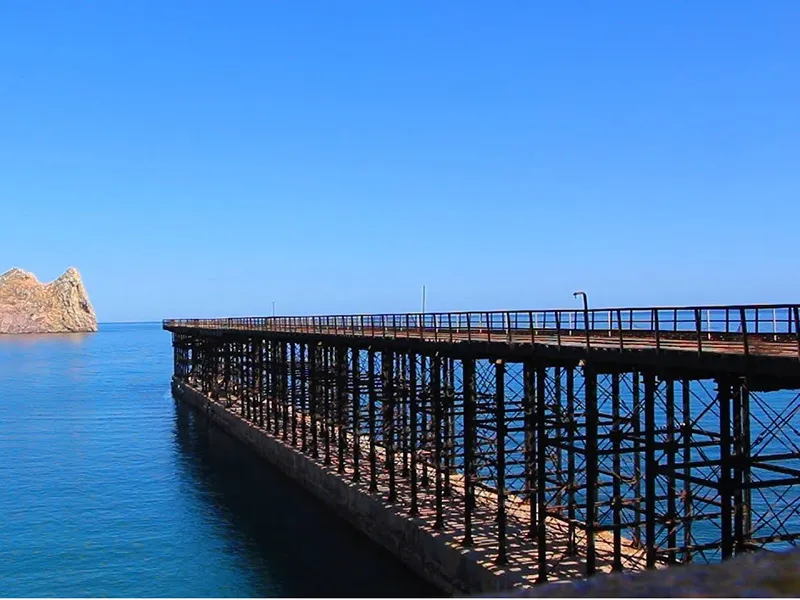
30, 339
274, 526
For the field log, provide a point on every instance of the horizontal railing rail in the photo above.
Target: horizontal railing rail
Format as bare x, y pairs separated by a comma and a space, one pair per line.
747, 329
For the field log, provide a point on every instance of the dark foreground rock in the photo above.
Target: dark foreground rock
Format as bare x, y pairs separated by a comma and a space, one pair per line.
28, 306
758, 575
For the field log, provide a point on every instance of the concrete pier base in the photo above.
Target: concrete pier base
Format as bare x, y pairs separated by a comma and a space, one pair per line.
435, 556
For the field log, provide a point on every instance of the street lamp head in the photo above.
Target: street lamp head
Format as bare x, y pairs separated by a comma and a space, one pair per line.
584, 296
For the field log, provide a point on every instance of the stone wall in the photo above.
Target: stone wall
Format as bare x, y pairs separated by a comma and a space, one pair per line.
446, 565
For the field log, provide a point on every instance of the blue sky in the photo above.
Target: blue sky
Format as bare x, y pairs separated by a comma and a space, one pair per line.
199, 158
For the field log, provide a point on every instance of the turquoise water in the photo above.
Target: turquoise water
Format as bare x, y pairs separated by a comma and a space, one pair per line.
111, 489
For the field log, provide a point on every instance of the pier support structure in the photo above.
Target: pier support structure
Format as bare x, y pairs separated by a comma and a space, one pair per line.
606, 465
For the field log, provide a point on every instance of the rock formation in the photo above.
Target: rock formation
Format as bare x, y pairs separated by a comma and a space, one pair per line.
28, 306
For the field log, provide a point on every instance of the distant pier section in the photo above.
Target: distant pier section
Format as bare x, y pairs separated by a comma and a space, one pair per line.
497, 450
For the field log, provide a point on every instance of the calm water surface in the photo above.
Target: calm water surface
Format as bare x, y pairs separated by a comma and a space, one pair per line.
111, 489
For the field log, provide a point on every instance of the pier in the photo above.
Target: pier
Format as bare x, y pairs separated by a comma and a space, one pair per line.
492, 450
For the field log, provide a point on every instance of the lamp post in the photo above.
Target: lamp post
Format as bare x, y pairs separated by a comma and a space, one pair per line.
585, 314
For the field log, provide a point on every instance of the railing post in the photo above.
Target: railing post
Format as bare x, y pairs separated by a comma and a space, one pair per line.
796, 312
774, 325
558, 326
586, 322
745, 344
657, 330
698, 328
530, 325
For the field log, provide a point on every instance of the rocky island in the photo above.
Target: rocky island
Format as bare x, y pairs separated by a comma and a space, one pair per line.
28, 306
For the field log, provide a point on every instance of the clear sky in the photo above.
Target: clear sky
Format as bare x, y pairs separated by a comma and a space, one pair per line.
196, 158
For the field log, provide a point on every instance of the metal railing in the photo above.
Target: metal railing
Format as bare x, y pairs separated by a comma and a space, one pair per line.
756, 329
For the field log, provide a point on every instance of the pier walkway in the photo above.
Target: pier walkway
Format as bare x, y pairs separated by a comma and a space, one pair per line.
537, 445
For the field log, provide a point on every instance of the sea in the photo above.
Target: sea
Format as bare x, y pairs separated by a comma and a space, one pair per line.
108, 487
